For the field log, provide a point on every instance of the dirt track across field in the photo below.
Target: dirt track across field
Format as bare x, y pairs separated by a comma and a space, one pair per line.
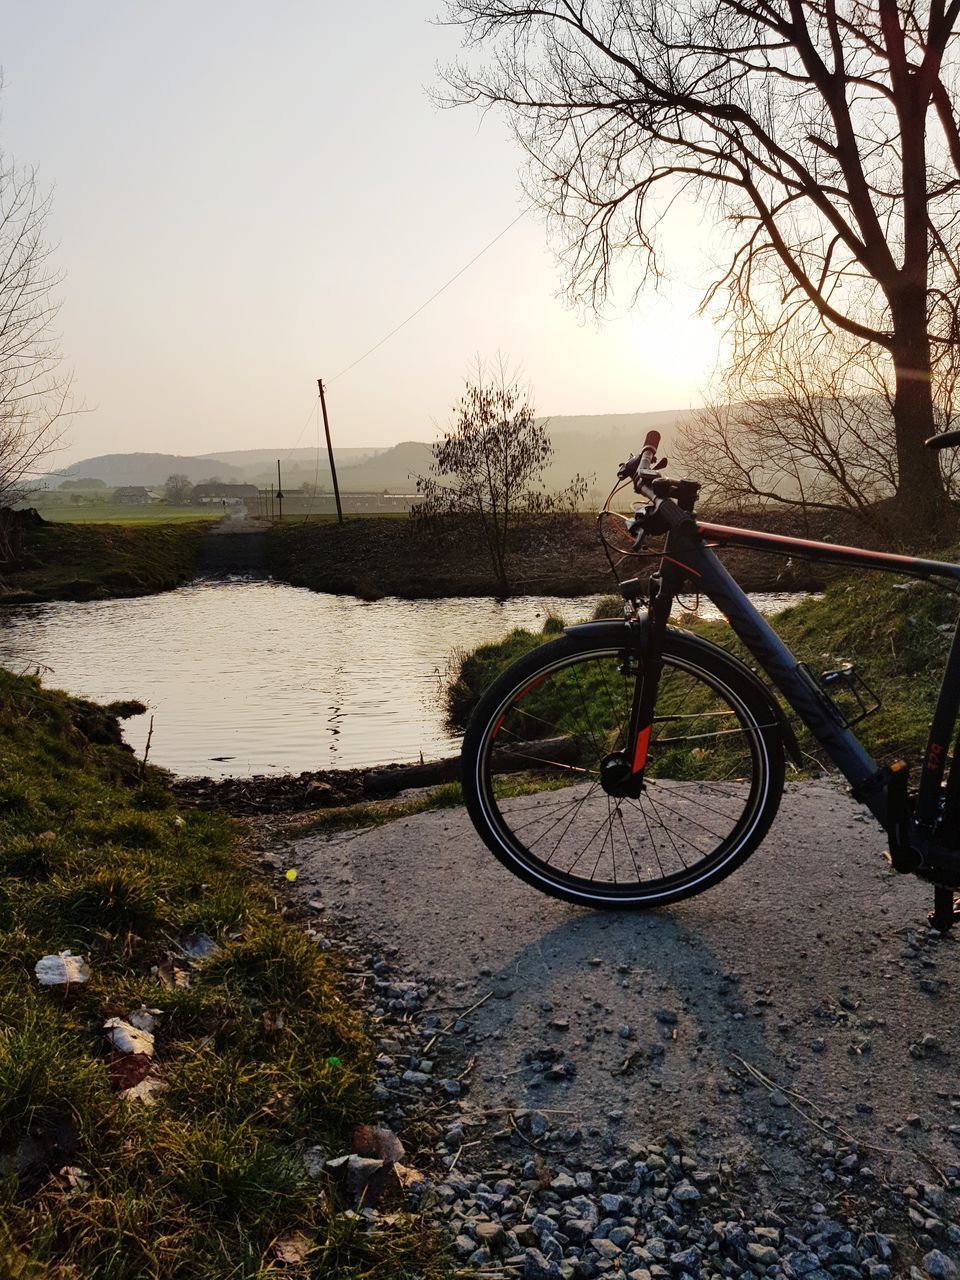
812, 965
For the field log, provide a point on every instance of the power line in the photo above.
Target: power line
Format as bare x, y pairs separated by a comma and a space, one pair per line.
402, 325
423, 306
309, 419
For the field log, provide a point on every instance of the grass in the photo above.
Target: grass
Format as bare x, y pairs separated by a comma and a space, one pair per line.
97, 561
896, 633
122, 513
201, 1184
328, 518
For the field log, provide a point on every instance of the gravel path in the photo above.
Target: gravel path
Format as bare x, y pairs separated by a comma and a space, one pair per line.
799, 1020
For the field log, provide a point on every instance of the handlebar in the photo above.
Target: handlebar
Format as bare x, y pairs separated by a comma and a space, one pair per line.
651, 442
641, 461
672, 501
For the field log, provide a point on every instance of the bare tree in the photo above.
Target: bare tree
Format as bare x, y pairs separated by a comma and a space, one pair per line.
34, 392
488, 465
806, 421
824, 135
177, 489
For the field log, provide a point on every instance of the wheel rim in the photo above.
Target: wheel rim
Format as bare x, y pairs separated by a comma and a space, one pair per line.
538, 778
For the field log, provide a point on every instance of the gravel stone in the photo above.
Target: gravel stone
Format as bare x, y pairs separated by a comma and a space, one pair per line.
938, 1266
537, 1267
491, 1235
564, 1185
685, 1192
765, 1254
605, 1248
463, 1246
688, 1260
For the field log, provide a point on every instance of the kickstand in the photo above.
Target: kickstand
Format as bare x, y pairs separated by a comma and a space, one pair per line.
946, 909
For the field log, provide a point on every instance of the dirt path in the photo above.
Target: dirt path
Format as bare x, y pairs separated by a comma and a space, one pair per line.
812, 964
235, 544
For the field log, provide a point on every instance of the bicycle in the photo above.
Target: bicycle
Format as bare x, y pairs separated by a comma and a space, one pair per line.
630, 764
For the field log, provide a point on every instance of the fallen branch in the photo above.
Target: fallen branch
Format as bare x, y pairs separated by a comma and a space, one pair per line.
378, 784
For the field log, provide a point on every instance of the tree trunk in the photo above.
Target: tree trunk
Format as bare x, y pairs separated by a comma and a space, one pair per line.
923, 511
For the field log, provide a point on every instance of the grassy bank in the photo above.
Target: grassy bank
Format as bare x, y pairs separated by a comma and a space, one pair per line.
258, 1054
368, 557
559, 555
93, 562
387, 556
896, 632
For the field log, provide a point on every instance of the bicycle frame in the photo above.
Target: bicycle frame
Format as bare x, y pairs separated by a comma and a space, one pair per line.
689, 558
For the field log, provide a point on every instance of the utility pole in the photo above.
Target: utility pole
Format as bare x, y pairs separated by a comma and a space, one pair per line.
279, 491
333, 466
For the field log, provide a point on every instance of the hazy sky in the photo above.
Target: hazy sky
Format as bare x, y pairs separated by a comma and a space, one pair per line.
248, 196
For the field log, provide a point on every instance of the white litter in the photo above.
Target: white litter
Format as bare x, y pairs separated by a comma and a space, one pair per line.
127, 1038
143, 1019
145, 1091
61, 970
198, 946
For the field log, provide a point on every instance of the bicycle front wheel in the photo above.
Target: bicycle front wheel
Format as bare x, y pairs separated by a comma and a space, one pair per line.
532, 758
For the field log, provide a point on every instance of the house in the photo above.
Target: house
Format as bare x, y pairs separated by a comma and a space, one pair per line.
207, 493
132, 495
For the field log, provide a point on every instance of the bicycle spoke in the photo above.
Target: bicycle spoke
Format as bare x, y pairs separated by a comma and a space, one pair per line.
626, 838
560, 817
669, 834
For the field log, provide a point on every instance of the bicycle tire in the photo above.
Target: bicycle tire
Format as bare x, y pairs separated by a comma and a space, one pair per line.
708, 672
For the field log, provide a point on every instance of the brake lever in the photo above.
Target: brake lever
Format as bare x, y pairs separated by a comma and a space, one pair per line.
647, 522
628, 470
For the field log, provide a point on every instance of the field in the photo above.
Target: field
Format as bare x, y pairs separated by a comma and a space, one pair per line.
122, 513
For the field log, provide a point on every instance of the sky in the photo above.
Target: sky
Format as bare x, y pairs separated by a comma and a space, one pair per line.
247, 197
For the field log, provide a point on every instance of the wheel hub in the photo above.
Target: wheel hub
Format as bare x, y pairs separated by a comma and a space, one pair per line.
617, 778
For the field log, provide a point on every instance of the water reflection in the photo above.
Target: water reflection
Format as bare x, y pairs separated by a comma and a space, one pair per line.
259, 677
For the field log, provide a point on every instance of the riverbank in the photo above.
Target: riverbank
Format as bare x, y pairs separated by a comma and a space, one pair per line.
372, 557
98, 561
897, 634
559, 555
179, 1054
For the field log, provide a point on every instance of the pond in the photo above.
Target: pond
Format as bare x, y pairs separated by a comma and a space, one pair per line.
246, 677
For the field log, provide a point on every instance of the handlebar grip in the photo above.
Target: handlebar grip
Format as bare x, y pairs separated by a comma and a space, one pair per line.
652, 440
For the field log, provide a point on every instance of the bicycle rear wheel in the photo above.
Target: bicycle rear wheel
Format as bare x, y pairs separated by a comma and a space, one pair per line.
712, 785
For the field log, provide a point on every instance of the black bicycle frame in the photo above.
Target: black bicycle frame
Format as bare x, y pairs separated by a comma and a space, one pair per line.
689, 559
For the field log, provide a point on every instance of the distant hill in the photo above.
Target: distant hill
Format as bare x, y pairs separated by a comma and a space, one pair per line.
255, 463
605, 424
591, 444
395, 468
595, 444
149, 468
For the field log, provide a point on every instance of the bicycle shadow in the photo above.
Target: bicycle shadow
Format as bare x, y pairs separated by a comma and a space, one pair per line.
667, 1011
793, 964
651, 1031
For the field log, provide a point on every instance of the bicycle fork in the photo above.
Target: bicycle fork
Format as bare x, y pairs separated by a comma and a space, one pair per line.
621, 772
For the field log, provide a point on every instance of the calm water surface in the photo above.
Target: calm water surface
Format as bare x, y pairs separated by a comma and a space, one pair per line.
258, 677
